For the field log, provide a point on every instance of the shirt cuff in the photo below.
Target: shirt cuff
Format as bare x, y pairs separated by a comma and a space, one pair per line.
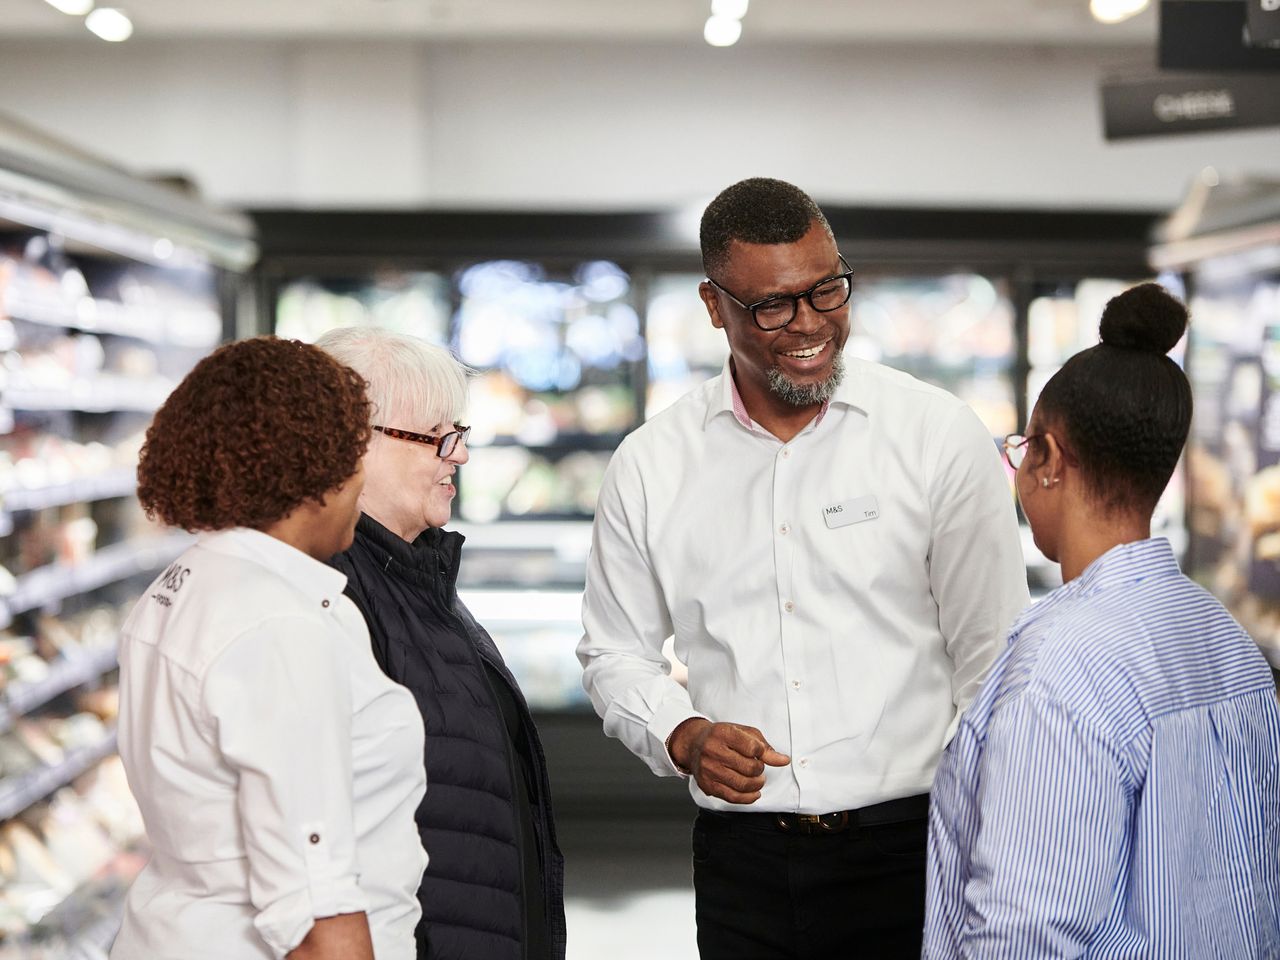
664, 722
286, 923
330, 890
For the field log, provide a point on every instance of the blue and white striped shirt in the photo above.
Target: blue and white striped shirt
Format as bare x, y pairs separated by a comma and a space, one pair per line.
1114, 790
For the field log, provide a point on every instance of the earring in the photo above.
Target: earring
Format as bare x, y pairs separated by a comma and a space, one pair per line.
1045, 481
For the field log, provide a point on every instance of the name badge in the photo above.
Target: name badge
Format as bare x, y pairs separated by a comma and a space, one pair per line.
851, 511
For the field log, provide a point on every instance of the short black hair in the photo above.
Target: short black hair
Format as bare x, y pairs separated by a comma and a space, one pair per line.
1123, 408
756, 210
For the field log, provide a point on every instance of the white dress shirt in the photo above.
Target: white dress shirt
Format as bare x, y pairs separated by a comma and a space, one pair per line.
277, 768
844, 592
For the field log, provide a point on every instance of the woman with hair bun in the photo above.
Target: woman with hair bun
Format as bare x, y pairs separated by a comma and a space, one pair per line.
1114, 790
276, 767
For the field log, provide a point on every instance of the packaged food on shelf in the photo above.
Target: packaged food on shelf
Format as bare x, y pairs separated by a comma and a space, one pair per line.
65, 865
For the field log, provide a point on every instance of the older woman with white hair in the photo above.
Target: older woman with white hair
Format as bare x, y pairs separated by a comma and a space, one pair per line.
494, 887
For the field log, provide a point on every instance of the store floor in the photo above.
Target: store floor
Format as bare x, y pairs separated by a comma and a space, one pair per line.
629, 888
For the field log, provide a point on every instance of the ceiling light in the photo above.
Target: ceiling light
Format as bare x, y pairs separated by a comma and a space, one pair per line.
733, 9
110, 24
722, 31
1113, 11
73, 8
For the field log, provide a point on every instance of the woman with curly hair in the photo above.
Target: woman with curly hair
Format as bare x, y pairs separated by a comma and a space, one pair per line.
277, 768
1114, 790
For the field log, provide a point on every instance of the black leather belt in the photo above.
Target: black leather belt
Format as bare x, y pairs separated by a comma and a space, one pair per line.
903, 810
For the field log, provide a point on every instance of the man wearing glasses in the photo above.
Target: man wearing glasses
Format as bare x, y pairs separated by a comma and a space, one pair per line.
833, 546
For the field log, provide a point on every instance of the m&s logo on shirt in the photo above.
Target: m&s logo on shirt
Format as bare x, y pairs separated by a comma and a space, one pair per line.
174, 577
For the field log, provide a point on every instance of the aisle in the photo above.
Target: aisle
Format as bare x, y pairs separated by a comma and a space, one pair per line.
629, 895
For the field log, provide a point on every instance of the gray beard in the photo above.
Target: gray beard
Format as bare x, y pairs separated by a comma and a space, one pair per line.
806, 394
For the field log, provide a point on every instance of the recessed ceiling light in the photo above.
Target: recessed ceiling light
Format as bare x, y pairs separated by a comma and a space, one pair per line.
1113, 11
110, 24
722, 31
73, 8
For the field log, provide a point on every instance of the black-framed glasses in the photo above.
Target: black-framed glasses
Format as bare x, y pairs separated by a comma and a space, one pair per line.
774, 313
444, 444
1015, 448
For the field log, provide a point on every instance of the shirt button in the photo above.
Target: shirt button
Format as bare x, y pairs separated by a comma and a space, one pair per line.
804, 761
789, 606
795, 684
786, 452
324, 603
784, 529
314, 838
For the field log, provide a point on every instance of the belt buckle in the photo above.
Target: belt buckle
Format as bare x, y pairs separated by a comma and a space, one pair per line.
822, 822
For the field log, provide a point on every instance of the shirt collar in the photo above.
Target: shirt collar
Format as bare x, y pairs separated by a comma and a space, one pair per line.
315, 580
1123, 564
1129, 563
729, 400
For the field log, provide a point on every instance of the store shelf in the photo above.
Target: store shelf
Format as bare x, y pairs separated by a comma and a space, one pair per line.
181, 327
64, 675
89, 919
569, 539
18, 793
103, 394
57, 581
104, 486
94, 941
563, 443
110, 290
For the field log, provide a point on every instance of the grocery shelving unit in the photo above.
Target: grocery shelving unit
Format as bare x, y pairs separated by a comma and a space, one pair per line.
111, 288
1225, 241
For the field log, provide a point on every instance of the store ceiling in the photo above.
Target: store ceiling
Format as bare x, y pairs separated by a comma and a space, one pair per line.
1032, 22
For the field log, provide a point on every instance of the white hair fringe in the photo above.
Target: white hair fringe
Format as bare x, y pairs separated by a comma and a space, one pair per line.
413, 384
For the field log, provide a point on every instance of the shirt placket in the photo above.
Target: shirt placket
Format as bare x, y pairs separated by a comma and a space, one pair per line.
786, 473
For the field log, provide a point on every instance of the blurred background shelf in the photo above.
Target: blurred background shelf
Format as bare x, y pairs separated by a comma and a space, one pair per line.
121, 482
48, 585
104, 394
20, 792
64, 674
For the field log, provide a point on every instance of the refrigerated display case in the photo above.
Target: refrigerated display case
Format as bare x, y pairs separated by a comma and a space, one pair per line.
557, 355
582, 325
110, 290
1226, 237
683, 348
954, 330
411, 302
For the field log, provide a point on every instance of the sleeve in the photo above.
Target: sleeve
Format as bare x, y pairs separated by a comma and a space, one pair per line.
626, 621
1048, 853
976, 571
279, 698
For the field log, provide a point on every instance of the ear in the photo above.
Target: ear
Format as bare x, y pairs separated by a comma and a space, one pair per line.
1053, 467
708, 294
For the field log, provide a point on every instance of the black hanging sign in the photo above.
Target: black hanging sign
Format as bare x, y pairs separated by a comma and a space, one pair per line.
1263, 23
1219, 35
1188, 103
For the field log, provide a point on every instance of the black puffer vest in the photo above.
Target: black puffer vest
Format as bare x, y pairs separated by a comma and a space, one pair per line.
424, 638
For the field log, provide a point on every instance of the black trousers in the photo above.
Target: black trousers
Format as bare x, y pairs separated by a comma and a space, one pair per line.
764, 894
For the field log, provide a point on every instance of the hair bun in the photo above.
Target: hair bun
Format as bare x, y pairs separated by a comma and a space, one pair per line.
1145, 317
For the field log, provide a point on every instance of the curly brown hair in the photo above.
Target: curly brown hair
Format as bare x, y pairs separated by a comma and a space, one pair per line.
254, 430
